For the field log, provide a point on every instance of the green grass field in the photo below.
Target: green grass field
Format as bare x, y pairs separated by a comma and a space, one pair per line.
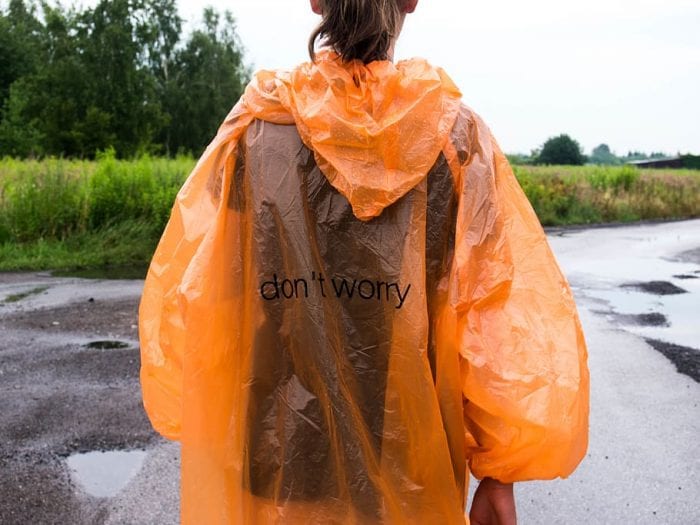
566, 195
69, 214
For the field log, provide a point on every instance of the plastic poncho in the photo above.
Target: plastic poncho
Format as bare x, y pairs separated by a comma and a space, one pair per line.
352, 304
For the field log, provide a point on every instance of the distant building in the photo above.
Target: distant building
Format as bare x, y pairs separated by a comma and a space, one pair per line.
678, 162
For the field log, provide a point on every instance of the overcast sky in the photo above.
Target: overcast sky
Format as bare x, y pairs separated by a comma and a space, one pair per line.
623, 72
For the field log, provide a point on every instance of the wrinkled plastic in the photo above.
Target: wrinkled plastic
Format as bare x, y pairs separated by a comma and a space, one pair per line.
353, 302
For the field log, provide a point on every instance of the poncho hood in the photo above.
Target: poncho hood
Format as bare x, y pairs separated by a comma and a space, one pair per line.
375, 129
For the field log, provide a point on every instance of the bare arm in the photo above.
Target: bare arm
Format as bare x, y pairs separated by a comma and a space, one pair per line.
493, 504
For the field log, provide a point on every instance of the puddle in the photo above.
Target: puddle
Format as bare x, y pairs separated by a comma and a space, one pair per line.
647, 319
692, 255
687, 360
107, 345
110, 272
104, 474
656, 287
645, 279
672, 318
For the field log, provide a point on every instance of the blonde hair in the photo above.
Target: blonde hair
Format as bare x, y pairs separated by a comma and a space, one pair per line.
357, 29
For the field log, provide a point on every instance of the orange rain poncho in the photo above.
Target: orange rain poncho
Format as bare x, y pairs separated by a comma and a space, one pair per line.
353, 302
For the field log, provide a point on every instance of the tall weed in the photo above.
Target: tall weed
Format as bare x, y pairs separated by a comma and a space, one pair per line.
58, 199
564, 195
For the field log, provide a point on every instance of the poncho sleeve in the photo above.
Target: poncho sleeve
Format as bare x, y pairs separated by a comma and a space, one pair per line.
162, 328
523, 368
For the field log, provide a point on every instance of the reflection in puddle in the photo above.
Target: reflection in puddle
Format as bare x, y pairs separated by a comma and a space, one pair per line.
104, 474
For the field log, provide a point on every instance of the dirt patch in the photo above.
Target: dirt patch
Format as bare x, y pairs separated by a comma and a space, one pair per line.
655, 287
686, 359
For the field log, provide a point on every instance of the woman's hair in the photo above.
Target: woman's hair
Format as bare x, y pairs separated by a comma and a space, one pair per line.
357, 29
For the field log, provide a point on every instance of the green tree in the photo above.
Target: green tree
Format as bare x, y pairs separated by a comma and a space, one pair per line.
561, 150
208, 78
119, 75
21, 49
20, 136
21, 40
159, 33
123, 89
602, 155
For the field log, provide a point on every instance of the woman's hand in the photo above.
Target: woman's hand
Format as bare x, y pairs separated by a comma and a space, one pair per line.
493, 504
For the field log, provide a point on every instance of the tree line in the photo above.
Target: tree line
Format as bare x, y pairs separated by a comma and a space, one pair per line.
564, 150
121, 76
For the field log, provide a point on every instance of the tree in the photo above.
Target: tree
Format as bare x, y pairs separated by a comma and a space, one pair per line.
208, 78
21, 39
602, 155
20, 136
123, 88
159, 33
119, 75
561, 150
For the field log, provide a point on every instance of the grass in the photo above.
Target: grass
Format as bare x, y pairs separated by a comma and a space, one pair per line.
568, 195
67, 214
70, 214
127, 244
59, 199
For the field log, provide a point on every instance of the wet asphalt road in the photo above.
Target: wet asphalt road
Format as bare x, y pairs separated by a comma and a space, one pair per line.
59, 397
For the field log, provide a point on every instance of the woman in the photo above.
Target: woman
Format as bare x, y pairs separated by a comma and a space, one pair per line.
353, 303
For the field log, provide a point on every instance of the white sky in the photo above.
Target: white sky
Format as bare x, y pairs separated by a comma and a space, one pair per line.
623, 72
